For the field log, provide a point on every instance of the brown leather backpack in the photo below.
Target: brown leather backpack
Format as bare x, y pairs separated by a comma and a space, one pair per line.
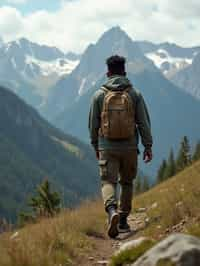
118, 115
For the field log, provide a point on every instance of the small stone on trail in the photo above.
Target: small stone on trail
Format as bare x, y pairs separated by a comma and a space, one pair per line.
154, 205
15, 235
167, 230
141, 210
131, 244
102, 262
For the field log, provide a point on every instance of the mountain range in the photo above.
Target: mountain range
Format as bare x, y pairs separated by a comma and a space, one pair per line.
155, 69
32, 150
30, 69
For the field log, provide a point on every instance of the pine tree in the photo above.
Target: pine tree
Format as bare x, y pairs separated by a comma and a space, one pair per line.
46, 203
161, 171
184, 155
171, 166
196, 155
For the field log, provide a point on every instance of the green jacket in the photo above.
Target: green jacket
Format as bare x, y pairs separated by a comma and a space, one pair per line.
143, 125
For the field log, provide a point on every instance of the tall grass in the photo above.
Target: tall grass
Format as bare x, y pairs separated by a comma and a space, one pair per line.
56, 241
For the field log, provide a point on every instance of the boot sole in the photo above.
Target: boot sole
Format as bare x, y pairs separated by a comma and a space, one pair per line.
113, 226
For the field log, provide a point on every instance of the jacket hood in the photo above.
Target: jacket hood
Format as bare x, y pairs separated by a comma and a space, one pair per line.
117, 83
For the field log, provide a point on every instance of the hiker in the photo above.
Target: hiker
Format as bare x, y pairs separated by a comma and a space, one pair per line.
117, 114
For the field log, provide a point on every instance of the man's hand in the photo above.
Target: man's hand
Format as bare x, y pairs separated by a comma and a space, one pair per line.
147, 156
97, 154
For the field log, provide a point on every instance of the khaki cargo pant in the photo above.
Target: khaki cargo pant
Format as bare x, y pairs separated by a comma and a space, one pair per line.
118, 167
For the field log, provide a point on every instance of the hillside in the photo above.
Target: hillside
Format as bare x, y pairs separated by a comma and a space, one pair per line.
78, 237
31, 150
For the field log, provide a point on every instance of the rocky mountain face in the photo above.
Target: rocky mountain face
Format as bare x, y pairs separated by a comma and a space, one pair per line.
92, 68
31, 69
31, 150
188, 79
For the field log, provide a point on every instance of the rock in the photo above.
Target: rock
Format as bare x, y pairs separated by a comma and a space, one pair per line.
180, 249
131, 244
154, 205
102, 262
141, 210
14, 236
167, 230
179, 204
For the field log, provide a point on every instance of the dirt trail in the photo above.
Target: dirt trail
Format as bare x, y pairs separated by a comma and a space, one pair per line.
104, 247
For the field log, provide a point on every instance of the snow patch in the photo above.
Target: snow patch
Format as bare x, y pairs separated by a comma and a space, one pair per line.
81, 89
162, 56
13, 62
60, 66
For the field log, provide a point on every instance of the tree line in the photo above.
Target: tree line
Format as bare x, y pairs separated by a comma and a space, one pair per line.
174, 165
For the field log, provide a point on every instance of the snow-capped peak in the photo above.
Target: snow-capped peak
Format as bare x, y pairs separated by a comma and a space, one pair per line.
167, 63
60, 66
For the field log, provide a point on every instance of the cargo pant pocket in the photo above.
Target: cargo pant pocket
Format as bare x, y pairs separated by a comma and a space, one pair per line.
103, 168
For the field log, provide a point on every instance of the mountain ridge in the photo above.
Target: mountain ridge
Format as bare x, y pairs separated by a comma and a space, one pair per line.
36, 150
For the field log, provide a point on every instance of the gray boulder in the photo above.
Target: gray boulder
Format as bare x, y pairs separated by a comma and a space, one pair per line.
180, 249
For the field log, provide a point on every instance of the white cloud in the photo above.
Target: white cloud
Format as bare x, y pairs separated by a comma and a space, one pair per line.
79, 22
11, 23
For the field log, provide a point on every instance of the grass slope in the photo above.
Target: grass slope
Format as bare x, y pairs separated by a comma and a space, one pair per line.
76, 235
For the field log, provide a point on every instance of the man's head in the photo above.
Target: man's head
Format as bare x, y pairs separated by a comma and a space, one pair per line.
116, 65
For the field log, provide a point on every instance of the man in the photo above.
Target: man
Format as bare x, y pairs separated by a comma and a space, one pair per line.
117, 114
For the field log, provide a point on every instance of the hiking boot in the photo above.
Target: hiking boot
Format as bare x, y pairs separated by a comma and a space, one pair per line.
113, 217
123, 226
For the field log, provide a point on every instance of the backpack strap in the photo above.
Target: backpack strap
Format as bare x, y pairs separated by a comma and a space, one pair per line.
105, 89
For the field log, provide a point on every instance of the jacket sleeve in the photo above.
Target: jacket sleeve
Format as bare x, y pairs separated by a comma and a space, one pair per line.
94, 121
143, 122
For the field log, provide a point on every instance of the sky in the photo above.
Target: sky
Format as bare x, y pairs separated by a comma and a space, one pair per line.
72, 25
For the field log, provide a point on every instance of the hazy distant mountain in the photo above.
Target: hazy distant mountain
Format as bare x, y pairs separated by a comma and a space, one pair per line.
31, 150
31, 69
169, 57
1, 42
189, 78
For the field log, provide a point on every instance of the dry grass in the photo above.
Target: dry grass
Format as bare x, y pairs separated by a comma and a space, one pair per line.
56, 241
178, 199
61, 241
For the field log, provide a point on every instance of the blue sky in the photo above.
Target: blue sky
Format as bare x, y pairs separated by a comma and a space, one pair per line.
74, 24
30, 6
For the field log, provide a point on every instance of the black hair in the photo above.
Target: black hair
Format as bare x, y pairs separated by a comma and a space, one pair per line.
116, 65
